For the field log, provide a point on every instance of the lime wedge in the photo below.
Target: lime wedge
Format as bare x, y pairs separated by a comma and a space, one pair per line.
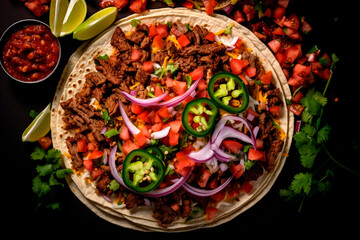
39, 127
58, 10
95, 24
75, 15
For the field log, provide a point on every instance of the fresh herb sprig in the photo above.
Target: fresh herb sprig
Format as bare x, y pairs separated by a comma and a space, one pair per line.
310, 141
50, 176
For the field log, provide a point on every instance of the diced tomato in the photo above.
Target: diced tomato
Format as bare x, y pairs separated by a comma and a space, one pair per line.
128, 146
260, 36
210, 36
301, 70
144, 115
250, 71
157, 126
203, 177
219, 196
209, 6
275, 111
233, 191
173, 138
274, 45
136, 109
148, 66
152, 31
157, 118
278, 12
188, 149
183, 40
211, 213
188, 4
232, 146
296, 81
158, 42
163, 112
197, 73
124, 134
268, 12
202, 85
96, 172
259, 143
237, 65
280, 57
95, 154
238, 16
296, 108
88, 164
158, 90
116, 3
292, 53
279, 31
256, 154
246, 187
81, 145
145, 131
162, 30
298, 96
237, 170
36, 7
179, 87
175, 126
249, 11
182, 161
266, 78
283, 3
292, 22
138, 6
293, 34
91, 146
305, 27
45, 142
136, 55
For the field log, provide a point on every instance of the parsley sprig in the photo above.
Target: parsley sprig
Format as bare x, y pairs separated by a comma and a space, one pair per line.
50, 176
310, 141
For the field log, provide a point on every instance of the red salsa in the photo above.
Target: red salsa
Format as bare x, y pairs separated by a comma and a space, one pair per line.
31, 53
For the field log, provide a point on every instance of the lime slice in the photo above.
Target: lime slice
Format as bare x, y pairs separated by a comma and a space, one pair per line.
95, 24
39, 127
58, 10
75, 15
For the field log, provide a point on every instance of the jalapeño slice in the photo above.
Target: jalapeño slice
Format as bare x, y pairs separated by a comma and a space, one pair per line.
198, 117
142, 171
229, 92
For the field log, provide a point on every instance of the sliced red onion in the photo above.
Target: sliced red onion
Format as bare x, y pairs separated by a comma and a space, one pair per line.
223, 156
203, 155
228, 132
256, 131
230, 48
132, 128
203, 192
133, 93
114, 172
228, 9
106, 159
107, 198
144, 102
160, 134
223, 167
104, 130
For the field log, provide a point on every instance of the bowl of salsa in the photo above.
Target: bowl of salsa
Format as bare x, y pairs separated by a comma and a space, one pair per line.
29, 51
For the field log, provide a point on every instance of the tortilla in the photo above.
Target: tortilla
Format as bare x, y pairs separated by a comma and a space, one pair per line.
72, 80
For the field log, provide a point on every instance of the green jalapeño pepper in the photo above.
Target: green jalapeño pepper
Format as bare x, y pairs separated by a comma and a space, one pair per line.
229, 92
142, 171
198, 117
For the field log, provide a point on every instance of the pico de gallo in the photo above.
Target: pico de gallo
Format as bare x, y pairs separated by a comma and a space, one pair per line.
148, 130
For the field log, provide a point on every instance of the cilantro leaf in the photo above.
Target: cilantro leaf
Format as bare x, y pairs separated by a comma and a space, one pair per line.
38, 154
301, 183
62, 173
44, 170
323, 134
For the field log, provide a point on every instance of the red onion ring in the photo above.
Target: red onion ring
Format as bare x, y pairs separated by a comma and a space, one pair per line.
228, 132
114, 172
144, 102
132, 128
160, 134
203, 155
204, 192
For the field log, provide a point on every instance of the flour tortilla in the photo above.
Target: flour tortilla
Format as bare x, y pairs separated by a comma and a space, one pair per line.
72, 80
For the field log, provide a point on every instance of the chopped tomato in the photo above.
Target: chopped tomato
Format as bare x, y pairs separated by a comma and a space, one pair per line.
237, 170
259, 143
183, 40
88, 164
250, 71
296, 108
256, 155
274, 45
211, 213
203, 177
162, 30
136, 55
173, 138
129, 146
296, 81
152, 31
188, 4
95, 154
116, 3
124, 134
283, 3
238, 16
97, 172
148, 66
91, 146
157, 126
210, 5
280, 57
188, 149
175, 126
249, 11
237, 65
197, 73
246, 187
210, 36
202, 85
36, 7
45, 142
292, 53
145, 131
279, 31
163, 112
266, 78
158, 42
81, 145
275, 111
144, 115
305, 27
183, 162
179, 87
292, 22
301, 70
158, 90
232, 146
298, 96
238, 43
233, 191
138, 6
219, 196
134, 108
278, 12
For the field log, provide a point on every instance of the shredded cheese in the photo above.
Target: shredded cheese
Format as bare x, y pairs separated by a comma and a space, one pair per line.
262, 98
134, 86
223, 30
128, 33
174, 40
165, 62
232, 54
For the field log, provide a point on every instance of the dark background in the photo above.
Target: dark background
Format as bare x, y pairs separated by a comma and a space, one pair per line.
335, 213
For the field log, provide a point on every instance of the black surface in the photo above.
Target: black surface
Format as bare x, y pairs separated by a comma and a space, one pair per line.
336, 213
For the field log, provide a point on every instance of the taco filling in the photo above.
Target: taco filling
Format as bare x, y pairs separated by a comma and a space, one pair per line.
174, 119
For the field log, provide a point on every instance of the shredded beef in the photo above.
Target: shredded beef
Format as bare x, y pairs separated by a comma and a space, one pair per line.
132, 200
119, 41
